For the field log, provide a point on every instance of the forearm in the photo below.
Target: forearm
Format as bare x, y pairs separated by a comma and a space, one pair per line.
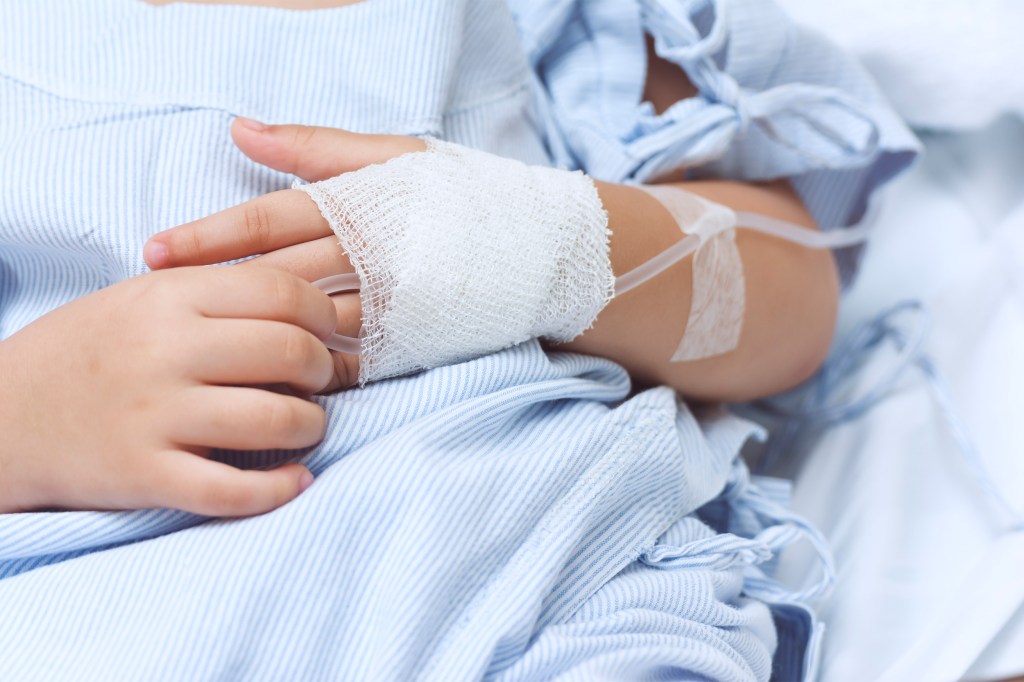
791, 292
791, 298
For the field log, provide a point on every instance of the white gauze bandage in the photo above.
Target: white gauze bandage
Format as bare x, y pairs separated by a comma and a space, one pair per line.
460, 253
718, 300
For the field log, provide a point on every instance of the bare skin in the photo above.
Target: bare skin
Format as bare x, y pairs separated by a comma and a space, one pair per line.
160, 373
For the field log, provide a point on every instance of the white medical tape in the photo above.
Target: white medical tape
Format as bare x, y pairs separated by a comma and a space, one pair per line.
718, 299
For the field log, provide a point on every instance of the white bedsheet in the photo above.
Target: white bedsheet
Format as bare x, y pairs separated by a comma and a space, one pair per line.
944, 64
931, 586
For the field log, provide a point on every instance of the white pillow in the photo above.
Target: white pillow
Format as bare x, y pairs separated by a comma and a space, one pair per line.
944, 64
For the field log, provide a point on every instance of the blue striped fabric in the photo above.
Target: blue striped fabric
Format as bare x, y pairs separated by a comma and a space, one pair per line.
522, 516
774, 100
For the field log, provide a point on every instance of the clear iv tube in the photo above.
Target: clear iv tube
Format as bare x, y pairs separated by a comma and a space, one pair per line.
812, 239
657, 265
336, 285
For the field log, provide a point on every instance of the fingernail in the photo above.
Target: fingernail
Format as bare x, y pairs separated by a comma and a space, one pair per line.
253, 124
305, 480
155, 254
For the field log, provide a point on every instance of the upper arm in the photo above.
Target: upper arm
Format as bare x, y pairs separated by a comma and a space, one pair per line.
806, 292
791, 301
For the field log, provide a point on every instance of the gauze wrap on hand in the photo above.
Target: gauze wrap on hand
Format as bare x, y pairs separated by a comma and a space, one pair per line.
462, 253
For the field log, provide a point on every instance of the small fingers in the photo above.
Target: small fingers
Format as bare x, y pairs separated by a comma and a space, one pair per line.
258, 352
270, 222
314, 261
264, 294
314, 153
210, 488
346, 371
310, 260
241, 418
282, 218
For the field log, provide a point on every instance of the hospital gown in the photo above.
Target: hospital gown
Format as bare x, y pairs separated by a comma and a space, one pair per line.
521, 516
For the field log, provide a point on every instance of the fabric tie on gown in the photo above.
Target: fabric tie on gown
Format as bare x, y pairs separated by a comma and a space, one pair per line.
819, 125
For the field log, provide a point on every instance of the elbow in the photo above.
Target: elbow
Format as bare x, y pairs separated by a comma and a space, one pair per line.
816, 344
814, 320
787, 336
792, 303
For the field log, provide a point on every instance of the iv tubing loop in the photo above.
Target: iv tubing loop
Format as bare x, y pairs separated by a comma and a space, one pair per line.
812, 239
337, 284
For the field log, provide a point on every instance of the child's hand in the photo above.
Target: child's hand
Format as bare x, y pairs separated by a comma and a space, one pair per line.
286, 227
114, 400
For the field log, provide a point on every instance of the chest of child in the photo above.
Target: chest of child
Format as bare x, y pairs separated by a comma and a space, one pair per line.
116, 121
119, 113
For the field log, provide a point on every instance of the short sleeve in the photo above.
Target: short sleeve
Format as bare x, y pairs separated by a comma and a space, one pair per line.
775, 100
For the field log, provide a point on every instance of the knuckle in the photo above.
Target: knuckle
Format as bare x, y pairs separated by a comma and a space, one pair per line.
298, 351
282, 418
165, 287
304, 136
320, 420
221, 499
215, 279
302, 141
256, 226
346, 370
180, 353
193, 242
287, 289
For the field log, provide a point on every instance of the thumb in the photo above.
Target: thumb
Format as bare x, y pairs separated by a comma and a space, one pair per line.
314, 153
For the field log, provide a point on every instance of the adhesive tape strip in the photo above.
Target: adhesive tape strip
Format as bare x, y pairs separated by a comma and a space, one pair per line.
718, 297
717, 301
